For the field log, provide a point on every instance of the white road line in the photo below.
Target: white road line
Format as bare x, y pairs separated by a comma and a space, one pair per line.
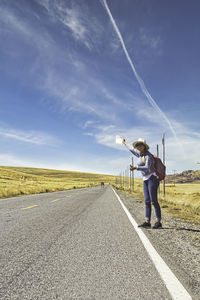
175, 288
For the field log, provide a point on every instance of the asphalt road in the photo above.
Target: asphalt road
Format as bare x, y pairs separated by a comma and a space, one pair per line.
75, 244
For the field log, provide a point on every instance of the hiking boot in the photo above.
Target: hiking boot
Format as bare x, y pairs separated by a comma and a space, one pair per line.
145, 225
157, 225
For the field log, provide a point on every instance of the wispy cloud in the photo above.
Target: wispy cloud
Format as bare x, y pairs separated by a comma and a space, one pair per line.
47, 50
66, 88
14, 24
32, 137
139, 79
84, 27
72, 20
111, 97
114, 44
78, 96
148, 40
70, 89
105, 135
88, 123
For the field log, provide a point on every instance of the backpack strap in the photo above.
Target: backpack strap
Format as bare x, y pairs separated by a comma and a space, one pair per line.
153, 167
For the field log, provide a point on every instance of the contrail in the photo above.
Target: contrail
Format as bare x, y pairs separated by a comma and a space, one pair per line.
139, 79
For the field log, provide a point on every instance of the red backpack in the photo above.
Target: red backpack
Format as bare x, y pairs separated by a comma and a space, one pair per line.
159, 168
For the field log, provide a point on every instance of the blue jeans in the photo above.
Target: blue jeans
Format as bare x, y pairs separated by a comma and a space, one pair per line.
150, 188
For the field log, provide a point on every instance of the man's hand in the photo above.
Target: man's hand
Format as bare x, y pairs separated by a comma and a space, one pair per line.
123, 141
132, 168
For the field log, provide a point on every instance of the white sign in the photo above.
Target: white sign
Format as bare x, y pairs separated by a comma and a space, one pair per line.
118, 140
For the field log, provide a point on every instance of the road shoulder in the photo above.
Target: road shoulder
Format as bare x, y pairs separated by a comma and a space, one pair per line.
177, 243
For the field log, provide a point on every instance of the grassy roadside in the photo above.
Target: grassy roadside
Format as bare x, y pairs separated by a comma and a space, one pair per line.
15, 181
181, 200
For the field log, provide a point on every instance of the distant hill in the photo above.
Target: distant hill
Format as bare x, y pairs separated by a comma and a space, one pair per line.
184, 177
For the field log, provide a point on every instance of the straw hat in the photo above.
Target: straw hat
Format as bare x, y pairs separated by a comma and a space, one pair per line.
141, 141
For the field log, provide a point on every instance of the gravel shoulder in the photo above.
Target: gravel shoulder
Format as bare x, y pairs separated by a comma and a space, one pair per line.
178, 243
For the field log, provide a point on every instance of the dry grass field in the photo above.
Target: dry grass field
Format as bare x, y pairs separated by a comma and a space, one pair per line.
181, 200
16, 181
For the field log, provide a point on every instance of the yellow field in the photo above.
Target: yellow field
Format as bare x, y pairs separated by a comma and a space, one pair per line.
23, 181
181, 200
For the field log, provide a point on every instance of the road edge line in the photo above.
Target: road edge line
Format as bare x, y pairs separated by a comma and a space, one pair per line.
174, 286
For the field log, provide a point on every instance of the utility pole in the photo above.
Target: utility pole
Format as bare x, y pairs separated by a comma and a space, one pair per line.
163, 146
125, 181
157, 153
157, 148
128, 178
174, 177
133, 173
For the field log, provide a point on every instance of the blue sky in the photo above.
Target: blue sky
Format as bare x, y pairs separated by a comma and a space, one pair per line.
67, 87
